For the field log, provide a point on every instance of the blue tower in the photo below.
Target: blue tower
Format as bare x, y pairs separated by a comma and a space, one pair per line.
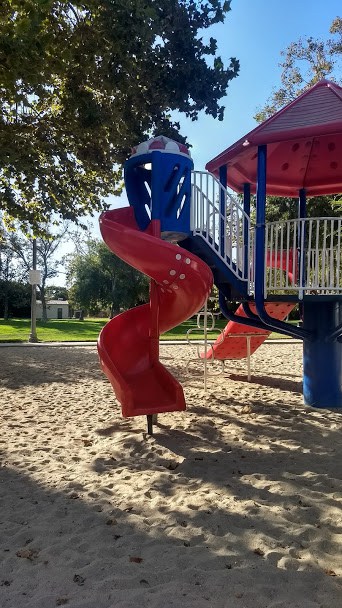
158, 185
297, 153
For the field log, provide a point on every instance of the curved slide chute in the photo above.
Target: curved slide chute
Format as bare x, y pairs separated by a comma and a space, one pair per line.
232, 343
128, 345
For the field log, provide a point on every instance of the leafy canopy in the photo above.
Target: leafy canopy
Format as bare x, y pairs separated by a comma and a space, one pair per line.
305, 63
81, 82
99, 279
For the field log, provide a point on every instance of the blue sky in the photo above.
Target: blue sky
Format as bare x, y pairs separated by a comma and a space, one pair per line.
255, 32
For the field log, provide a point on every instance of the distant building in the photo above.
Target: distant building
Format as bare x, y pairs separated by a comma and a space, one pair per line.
55, 309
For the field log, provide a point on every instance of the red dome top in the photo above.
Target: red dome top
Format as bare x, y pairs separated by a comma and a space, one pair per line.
161, 143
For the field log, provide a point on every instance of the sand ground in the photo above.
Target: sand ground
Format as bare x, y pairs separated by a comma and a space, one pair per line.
234, 503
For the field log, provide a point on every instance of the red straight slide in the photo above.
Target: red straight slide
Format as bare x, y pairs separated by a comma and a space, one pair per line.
128, 345
228, 346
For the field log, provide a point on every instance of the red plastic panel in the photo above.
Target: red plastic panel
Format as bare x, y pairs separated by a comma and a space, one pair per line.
128, 344
229, 347
304, 147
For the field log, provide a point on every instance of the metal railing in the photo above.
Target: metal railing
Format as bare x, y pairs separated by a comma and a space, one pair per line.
301, 255
251, 265
227, 233
304, 256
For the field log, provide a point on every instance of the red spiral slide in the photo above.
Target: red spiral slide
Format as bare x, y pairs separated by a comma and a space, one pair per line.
128, 345
231, 344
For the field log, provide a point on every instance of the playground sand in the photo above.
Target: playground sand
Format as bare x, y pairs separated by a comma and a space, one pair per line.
234, 503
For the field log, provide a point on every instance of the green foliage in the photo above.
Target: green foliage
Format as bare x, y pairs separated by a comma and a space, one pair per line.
15, 299
56, 292
282, 208
305, 63
81, 82
10, 271
99, 279
17, 330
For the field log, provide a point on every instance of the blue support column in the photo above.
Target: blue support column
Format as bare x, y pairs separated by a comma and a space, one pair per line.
322, 359
260, 246
302, 203
247, 210
301, 236
260, 227
223, 180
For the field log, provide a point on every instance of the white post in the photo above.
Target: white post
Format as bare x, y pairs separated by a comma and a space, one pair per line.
248, 338
33, 333
205, 343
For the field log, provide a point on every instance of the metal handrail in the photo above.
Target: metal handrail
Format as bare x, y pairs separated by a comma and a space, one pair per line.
305, 255
225, 232
301, 255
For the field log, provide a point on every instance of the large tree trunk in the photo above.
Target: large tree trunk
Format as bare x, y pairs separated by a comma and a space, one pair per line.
114, 308
43, 299
113, 311
6, 301
6, 308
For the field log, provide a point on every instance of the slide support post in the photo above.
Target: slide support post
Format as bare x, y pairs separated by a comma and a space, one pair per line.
322, 358
223, 180
247, 210
301, 241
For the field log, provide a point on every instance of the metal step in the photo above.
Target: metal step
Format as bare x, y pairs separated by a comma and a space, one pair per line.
224, 278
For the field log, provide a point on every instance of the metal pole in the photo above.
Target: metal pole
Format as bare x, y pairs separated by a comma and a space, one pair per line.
223, 210
33, 334
247, 210
301, 241
205, 344
248, 358
149, 419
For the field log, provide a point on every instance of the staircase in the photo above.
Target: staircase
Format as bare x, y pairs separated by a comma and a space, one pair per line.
220, 235
303, 256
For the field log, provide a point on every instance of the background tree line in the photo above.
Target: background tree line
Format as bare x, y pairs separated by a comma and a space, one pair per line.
98, 280
16, 262
68, 119
82, 82
304, 63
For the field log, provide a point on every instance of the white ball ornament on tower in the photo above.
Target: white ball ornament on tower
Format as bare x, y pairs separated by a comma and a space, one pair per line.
162, 144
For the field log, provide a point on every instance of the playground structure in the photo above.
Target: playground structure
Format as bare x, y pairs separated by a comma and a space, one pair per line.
185, 230
204, 352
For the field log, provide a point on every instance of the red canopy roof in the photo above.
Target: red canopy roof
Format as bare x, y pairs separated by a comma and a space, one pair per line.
304, 147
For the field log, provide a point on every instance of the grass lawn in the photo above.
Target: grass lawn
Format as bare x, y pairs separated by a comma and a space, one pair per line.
72, 330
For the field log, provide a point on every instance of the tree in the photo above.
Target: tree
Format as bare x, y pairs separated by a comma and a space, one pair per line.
56, 292
47, 260
81, 82
15, 299
8, 272
99, 279
305, 63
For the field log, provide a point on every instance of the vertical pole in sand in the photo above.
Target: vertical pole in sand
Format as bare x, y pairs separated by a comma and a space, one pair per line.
149, 418
205, 344
248, 358
33, 333
154, 324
